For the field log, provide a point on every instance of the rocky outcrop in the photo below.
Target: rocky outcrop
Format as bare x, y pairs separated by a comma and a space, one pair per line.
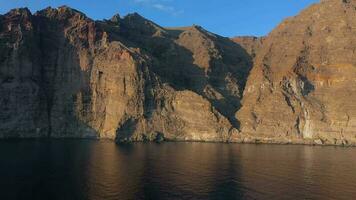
65, 75
302, 86
21, 99
250, 43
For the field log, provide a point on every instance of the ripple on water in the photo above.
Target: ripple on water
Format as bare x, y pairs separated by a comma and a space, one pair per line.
86, 169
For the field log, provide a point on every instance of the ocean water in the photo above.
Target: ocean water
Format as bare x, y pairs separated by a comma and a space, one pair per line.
89, 169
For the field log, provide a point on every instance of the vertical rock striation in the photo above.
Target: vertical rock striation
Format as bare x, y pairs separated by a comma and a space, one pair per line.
63, 74
302, 85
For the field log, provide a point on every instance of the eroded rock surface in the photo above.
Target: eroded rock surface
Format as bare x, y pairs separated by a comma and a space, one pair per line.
302, 85
65, 75
250, 43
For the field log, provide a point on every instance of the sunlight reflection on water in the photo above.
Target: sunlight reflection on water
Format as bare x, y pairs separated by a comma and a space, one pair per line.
86, 169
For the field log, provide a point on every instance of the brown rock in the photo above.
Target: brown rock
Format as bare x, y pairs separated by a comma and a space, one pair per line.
318, 142
250, 44
303, 81
64, 75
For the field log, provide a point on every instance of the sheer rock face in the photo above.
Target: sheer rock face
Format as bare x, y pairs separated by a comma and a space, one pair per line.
65, 75
302, 85
21, 96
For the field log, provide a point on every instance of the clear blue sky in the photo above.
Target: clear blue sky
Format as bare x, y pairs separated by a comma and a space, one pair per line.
224, 17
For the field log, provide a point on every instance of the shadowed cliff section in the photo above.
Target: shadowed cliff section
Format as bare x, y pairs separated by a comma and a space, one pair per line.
194, 59
250, 43
21, 100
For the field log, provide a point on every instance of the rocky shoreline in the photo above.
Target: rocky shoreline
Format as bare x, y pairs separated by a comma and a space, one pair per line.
243, 140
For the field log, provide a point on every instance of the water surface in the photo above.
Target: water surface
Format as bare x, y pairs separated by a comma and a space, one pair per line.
87, 169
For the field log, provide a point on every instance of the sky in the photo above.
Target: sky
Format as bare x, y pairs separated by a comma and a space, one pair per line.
225, 17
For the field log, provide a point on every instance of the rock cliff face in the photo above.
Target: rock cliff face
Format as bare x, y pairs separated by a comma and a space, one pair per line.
65, 75
250, 44
302, 85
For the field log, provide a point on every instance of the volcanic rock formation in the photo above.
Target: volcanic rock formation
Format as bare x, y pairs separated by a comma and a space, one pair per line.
303, 83
63, 74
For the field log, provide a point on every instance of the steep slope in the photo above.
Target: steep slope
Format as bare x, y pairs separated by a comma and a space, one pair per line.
65, 75
223, 68
250, 43
21, 102
60, 60
194, 59
302, 85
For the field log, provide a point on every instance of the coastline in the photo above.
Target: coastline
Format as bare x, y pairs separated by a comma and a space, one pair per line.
246, 140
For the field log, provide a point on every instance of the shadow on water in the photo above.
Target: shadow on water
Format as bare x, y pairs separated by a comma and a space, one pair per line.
188, 171
42, 169
227, 174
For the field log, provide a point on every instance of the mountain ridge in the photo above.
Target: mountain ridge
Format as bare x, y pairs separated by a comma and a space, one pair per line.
129, 79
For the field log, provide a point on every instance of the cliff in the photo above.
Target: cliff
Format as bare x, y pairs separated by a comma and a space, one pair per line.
250, 43
302, 85
63, 74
